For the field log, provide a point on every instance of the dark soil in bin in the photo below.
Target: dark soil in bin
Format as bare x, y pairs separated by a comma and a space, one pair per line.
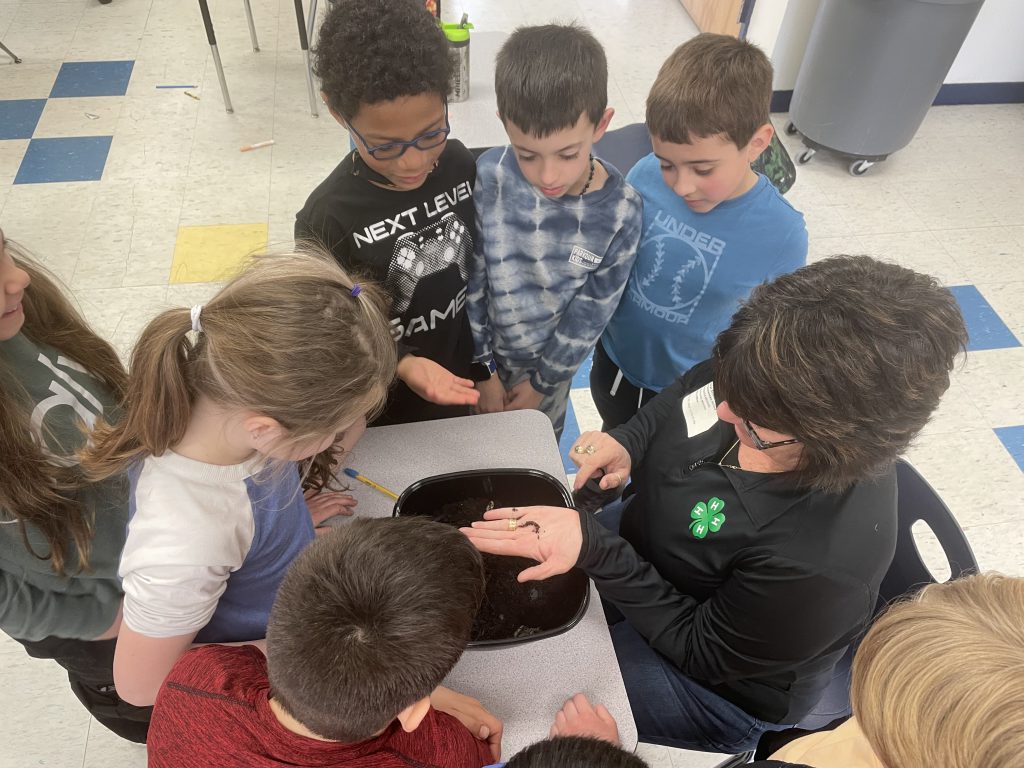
510, 609
512, 612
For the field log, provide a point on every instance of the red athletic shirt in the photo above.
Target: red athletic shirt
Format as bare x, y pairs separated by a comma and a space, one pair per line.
213, 711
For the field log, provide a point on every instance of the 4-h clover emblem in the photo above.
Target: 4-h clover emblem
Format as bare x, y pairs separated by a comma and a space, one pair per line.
707, 517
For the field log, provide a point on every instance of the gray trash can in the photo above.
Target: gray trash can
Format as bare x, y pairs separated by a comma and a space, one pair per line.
871, 71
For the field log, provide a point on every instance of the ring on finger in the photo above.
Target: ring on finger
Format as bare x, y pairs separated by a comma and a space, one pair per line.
513, 523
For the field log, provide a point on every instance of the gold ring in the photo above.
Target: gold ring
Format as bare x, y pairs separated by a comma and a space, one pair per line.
590, 449
577, 449
513, 523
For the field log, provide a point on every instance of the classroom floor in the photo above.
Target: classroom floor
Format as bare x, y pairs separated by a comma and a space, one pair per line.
125, 189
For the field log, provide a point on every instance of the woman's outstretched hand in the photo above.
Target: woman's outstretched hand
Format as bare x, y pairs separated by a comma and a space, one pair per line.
596, 453
549, 535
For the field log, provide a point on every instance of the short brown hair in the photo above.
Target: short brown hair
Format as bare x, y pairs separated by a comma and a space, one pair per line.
849, 354
939, 681
574, 752
710, 85
368, 620
546, 77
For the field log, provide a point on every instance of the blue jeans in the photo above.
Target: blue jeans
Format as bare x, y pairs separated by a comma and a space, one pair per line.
670, 708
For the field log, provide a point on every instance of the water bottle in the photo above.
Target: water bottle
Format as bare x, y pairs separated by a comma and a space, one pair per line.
458, 49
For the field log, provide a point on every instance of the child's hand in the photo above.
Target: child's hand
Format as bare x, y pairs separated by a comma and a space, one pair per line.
435, 383
324, 505
471, 713
578, 717
523, 397
492, 395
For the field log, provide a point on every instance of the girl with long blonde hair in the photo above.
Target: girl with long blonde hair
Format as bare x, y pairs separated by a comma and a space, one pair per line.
223, 401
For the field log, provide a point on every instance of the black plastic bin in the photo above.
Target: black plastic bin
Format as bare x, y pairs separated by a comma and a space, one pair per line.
512, 612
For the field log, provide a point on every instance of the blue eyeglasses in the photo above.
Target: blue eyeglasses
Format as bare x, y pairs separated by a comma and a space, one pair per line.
395, 149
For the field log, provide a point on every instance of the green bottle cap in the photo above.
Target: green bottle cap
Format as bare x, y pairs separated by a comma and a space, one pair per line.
457, 33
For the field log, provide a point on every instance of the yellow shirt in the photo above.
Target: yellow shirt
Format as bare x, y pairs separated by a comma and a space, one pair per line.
842, 747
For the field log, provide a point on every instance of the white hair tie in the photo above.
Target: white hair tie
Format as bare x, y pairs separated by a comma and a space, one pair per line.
197, 325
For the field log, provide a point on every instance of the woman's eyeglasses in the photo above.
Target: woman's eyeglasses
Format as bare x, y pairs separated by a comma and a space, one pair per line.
395, 149
763, 445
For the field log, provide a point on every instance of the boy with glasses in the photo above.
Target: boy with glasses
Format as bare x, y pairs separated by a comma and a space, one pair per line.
399, 207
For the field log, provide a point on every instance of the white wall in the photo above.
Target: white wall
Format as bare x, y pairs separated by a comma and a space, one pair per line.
992, 53
994, 50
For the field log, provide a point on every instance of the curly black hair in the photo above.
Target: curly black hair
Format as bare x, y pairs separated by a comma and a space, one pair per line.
371, 51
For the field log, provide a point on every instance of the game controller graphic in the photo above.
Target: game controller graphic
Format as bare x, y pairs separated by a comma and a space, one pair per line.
426, 252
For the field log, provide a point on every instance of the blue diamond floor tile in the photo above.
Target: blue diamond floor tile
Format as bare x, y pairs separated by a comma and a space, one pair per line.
985, 329
18, 117
570, 433
79, 158
1013, 439
92, 78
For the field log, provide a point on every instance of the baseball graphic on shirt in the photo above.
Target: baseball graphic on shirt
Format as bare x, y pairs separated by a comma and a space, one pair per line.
426, 252
672, 282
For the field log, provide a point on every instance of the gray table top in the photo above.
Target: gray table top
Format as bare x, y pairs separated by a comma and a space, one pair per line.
525, 685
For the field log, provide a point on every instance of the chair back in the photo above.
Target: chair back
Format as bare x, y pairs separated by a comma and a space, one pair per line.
624, 146
918, 501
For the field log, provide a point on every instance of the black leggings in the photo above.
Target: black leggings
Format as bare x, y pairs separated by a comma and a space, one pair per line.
616, 399
90, 667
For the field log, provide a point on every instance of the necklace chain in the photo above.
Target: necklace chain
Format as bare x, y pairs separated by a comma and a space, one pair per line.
721, 462
590, 178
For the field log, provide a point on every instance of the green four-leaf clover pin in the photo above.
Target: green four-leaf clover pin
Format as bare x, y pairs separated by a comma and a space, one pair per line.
707, 517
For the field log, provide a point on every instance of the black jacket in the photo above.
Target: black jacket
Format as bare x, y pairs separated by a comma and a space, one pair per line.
760, 609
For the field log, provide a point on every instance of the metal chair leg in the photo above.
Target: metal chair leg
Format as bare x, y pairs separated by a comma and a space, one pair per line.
252, 27
204, 9
311, 21
300, 18
10, 53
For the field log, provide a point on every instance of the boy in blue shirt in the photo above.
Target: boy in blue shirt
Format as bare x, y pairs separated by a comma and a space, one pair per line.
713, 228
557, 228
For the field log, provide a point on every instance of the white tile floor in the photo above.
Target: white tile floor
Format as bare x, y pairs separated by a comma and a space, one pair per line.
949, 204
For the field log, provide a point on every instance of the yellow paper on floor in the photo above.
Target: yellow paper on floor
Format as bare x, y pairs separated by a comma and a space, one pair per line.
209, 254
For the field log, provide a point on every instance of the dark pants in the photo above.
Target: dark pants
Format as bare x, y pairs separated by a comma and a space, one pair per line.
616, 399
670, 708
90, 667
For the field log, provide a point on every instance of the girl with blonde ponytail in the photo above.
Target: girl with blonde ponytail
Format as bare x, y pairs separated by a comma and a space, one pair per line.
60, 535
283, 365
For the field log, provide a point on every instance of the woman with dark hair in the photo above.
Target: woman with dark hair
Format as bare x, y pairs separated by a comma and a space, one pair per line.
764, 513
60, 536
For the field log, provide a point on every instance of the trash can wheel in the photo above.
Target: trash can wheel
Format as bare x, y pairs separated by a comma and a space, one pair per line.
860, 167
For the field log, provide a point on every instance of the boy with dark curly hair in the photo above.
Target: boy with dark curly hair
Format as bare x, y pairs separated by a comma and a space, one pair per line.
399, 207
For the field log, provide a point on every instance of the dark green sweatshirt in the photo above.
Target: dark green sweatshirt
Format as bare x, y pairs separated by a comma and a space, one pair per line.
34, 601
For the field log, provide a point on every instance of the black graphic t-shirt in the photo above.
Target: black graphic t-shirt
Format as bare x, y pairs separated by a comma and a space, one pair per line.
417, 244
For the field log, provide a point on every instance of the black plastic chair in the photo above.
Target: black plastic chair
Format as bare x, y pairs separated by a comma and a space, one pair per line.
916, 501
621, 147
624, 146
